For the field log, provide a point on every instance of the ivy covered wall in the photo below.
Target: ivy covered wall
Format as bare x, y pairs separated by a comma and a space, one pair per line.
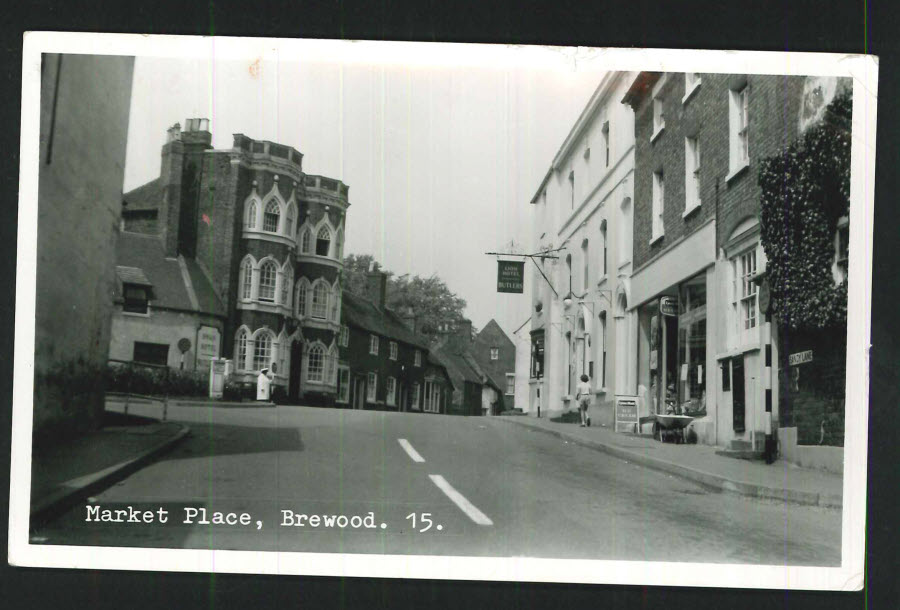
804, 194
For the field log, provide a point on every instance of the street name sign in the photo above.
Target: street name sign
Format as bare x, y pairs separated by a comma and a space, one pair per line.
511, 276
800, 358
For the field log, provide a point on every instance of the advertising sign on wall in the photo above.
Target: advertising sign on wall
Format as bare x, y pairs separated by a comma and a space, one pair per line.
208, 339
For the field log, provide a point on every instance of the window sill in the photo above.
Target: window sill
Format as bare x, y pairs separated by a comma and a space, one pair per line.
136, 314
690, 93
690, 210
657, 239
567, 398
657, 133
602, 280
737, 172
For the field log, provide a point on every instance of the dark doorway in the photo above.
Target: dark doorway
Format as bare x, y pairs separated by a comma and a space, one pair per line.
403, 406
737, 392
359, 393
296, 367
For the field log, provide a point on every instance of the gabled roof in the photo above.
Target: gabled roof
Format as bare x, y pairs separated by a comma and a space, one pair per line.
462, 367
494, 329
145, 197
141, 258
362, 313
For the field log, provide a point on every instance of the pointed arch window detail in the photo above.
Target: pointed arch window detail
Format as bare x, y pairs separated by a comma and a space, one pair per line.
251, 215
267, 274
301, 298
262, 351
323, 241
320, 300
316, 364
247, 279
271, 216
241, 351
305, 240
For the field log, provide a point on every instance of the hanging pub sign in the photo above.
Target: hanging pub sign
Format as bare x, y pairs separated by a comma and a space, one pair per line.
511, 276
668, 306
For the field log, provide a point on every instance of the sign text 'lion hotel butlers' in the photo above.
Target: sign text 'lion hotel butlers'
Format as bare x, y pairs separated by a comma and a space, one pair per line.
510, 276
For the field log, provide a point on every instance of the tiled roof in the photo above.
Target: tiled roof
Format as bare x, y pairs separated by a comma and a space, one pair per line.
361, 313
142, 256
146, 197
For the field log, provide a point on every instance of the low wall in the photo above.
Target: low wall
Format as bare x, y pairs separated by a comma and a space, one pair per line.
820, 457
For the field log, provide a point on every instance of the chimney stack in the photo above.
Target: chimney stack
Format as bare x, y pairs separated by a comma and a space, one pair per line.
376, 285
464, 332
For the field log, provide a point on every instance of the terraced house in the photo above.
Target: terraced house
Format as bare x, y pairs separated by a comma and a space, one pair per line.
252, 238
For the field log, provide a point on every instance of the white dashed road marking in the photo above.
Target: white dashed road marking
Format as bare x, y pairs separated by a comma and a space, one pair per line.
460, 500
412, 453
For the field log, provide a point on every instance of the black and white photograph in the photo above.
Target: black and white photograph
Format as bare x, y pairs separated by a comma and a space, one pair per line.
451, 311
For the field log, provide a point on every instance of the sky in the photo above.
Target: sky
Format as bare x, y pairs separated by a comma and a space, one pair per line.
442, 160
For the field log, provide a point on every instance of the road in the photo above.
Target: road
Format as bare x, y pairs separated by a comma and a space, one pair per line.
488, 487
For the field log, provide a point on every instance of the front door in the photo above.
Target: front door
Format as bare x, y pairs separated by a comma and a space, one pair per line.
403, 405
359, 393
296, 367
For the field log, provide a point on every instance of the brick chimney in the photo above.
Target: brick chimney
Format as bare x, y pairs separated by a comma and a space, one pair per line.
182, 155
376, 285
463, 333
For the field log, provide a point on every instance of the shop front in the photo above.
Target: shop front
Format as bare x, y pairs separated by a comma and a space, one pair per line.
672, 351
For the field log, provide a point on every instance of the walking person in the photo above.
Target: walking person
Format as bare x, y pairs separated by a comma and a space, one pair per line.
583, 395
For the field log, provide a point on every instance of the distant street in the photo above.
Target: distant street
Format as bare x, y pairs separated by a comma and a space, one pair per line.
488, 487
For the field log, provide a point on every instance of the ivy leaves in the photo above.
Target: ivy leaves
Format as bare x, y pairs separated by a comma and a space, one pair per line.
805, 191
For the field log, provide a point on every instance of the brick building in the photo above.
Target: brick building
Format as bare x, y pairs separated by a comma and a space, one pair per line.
84, 108
701, 345
495, 354
383, 364
268, 240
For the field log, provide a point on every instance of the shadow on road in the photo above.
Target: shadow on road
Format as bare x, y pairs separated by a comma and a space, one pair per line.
216, 440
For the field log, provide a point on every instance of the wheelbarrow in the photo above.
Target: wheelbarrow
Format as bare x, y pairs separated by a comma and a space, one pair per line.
671, 427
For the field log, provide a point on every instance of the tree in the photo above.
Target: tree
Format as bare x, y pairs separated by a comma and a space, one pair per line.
426, 301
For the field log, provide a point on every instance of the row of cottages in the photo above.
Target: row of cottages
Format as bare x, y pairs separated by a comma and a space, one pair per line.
649, 215
474, 390
239, 253
382, 363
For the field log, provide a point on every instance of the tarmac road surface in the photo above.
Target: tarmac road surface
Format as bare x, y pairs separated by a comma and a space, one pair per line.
419, 484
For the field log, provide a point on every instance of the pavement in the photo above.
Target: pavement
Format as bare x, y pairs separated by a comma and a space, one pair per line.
71, 470
700, 463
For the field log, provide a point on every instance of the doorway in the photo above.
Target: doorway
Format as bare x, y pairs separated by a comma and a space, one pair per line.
359, 393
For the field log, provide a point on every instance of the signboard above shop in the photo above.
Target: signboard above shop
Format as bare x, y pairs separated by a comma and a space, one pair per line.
511, 276
668, 306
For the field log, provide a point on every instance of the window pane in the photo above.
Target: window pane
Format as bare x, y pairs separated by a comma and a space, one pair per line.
270, 218
267, 274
